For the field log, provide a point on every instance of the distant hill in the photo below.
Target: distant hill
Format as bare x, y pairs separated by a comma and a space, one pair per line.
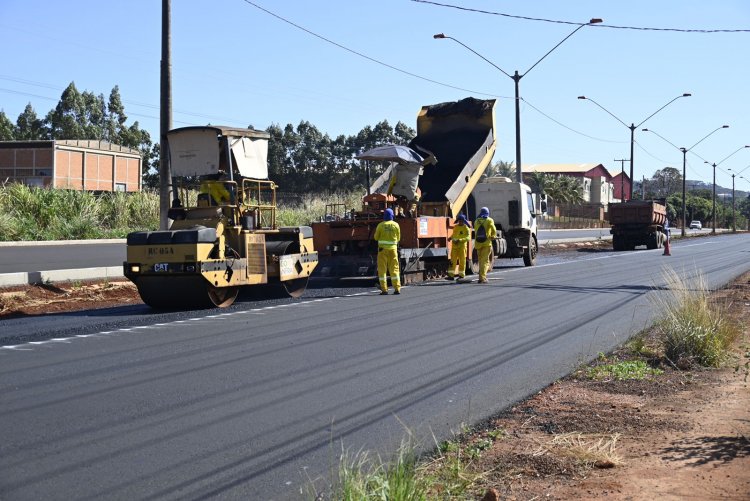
702, 185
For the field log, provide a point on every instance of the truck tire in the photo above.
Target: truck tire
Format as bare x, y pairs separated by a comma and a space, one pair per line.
529, 255
618, 243
652, 242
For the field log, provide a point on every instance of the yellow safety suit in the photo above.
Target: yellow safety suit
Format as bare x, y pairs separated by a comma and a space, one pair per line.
484, 249
217, 192
388, 235
460, 240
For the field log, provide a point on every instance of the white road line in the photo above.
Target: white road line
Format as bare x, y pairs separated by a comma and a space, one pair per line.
260, 311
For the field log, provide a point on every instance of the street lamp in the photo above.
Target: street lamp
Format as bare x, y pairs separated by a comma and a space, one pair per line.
734, 220
516, 77
684, 161
632, 128
713, 228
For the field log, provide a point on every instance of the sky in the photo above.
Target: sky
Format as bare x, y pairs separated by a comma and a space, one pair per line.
345, 64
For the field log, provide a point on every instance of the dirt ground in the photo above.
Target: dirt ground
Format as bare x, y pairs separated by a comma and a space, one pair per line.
684, 434
26, 300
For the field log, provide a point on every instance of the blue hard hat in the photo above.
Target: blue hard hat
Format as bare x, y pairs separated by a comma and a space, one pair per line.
484, 212
462, 219
388, 215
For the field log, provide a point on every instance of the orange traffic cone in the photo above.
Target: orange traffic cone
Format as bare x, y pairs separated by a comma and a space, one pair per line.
666, 247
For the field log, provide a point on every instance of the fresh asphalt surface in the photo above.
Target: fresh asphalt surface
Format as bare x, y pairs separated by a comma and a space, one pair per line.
252, 401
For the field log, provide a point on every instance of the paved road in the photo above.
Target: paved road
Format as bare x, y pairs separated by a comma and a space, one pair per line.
250, 402
41, 256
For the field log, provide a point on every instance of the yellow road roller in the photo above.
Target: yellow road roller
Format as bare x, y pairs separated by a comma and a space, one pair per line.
223, 234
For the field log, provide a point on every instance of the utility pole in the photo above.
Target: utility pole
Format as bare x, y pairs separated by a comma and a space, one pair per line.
622, 177
165, 122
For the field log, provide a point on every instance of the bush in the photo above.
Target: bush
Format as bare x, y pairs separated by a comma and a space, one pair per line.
29, 213
692, 328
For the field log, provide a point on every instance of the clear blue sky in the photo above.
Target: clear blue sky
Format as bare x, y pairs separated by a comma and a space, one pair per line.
235, 64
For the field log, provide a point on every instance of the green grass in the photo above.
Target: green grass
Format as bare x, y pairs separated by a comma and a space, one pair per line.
693, 329
29, 213
363, 476
622, 371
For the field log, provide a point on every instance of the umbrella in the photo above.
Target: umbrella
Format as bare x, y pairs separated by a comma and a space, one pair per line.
392, 153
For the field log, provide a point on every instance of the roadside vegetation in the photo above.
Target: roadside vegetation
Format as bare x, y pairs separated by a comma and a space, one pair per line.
694, 331
34, 214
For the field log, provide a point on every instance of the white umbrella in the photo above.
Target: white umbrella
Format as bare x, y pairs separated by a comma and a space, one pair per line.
392, 153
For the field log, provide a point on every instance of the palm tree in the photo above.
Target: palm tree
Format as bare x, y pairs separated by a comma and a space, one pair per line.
538, 181
564, 189
500, 168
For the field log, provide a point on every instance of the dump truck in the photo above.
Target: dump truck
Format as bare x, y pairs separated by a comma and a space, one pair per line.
458, 139
637, 222
224, 235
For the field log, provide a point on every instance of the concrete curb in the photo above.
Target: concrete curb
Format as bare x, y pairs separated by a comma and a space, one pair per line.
41, 277
556, 241
62, 242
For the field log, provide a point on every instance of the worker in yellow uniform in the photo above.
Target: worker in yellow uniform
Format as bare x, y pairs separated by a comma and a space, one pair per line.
460, 241
216, 191
388, 235
484, 234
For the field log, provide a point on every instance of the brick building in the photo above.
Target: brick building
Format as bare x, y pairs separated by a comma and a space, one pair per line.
599, 185
71, 164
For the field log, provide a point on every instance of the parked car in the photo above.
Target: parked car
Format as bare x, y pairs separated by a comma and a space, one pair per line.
696, 225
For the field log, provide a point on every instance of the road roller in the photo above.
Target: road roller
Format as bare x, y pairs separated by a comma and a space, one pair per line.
223, 234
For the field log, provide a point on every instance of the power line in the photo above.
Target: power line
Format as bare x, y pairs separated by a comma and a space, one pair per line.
569, 128
372, 59
526, 18
125, 101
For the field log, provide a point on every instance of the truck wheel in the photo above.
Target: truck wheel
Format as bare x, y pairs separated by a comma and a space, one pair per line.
529, 255
617, 243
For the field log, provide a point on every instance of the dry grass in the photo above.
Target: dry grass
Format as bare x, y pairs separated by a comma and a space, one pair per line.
589, 450
694, 329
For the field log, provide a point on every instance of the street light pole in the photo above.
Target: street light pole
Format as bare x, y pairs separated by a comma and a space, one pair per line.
632, 128
684, 162
516, 77
734, 220
713, 230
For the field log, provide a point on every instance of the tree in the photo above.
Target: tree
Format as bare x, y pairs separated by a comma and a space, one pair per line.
538, 181
404, 134
499, 168
7, 129
66, 120
564, 189
665, 182
94, 113
29, 126
114, 124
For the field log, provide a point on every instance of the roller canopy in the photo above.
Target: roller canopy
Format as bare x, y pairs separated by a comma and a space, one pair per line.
200, 151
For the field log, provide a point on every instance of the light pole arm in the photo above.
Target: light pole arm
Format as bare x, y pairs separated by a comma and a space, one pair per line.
592, 21
605, 110
459, 42
707, 135
732, 154
667, 140
686, 94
